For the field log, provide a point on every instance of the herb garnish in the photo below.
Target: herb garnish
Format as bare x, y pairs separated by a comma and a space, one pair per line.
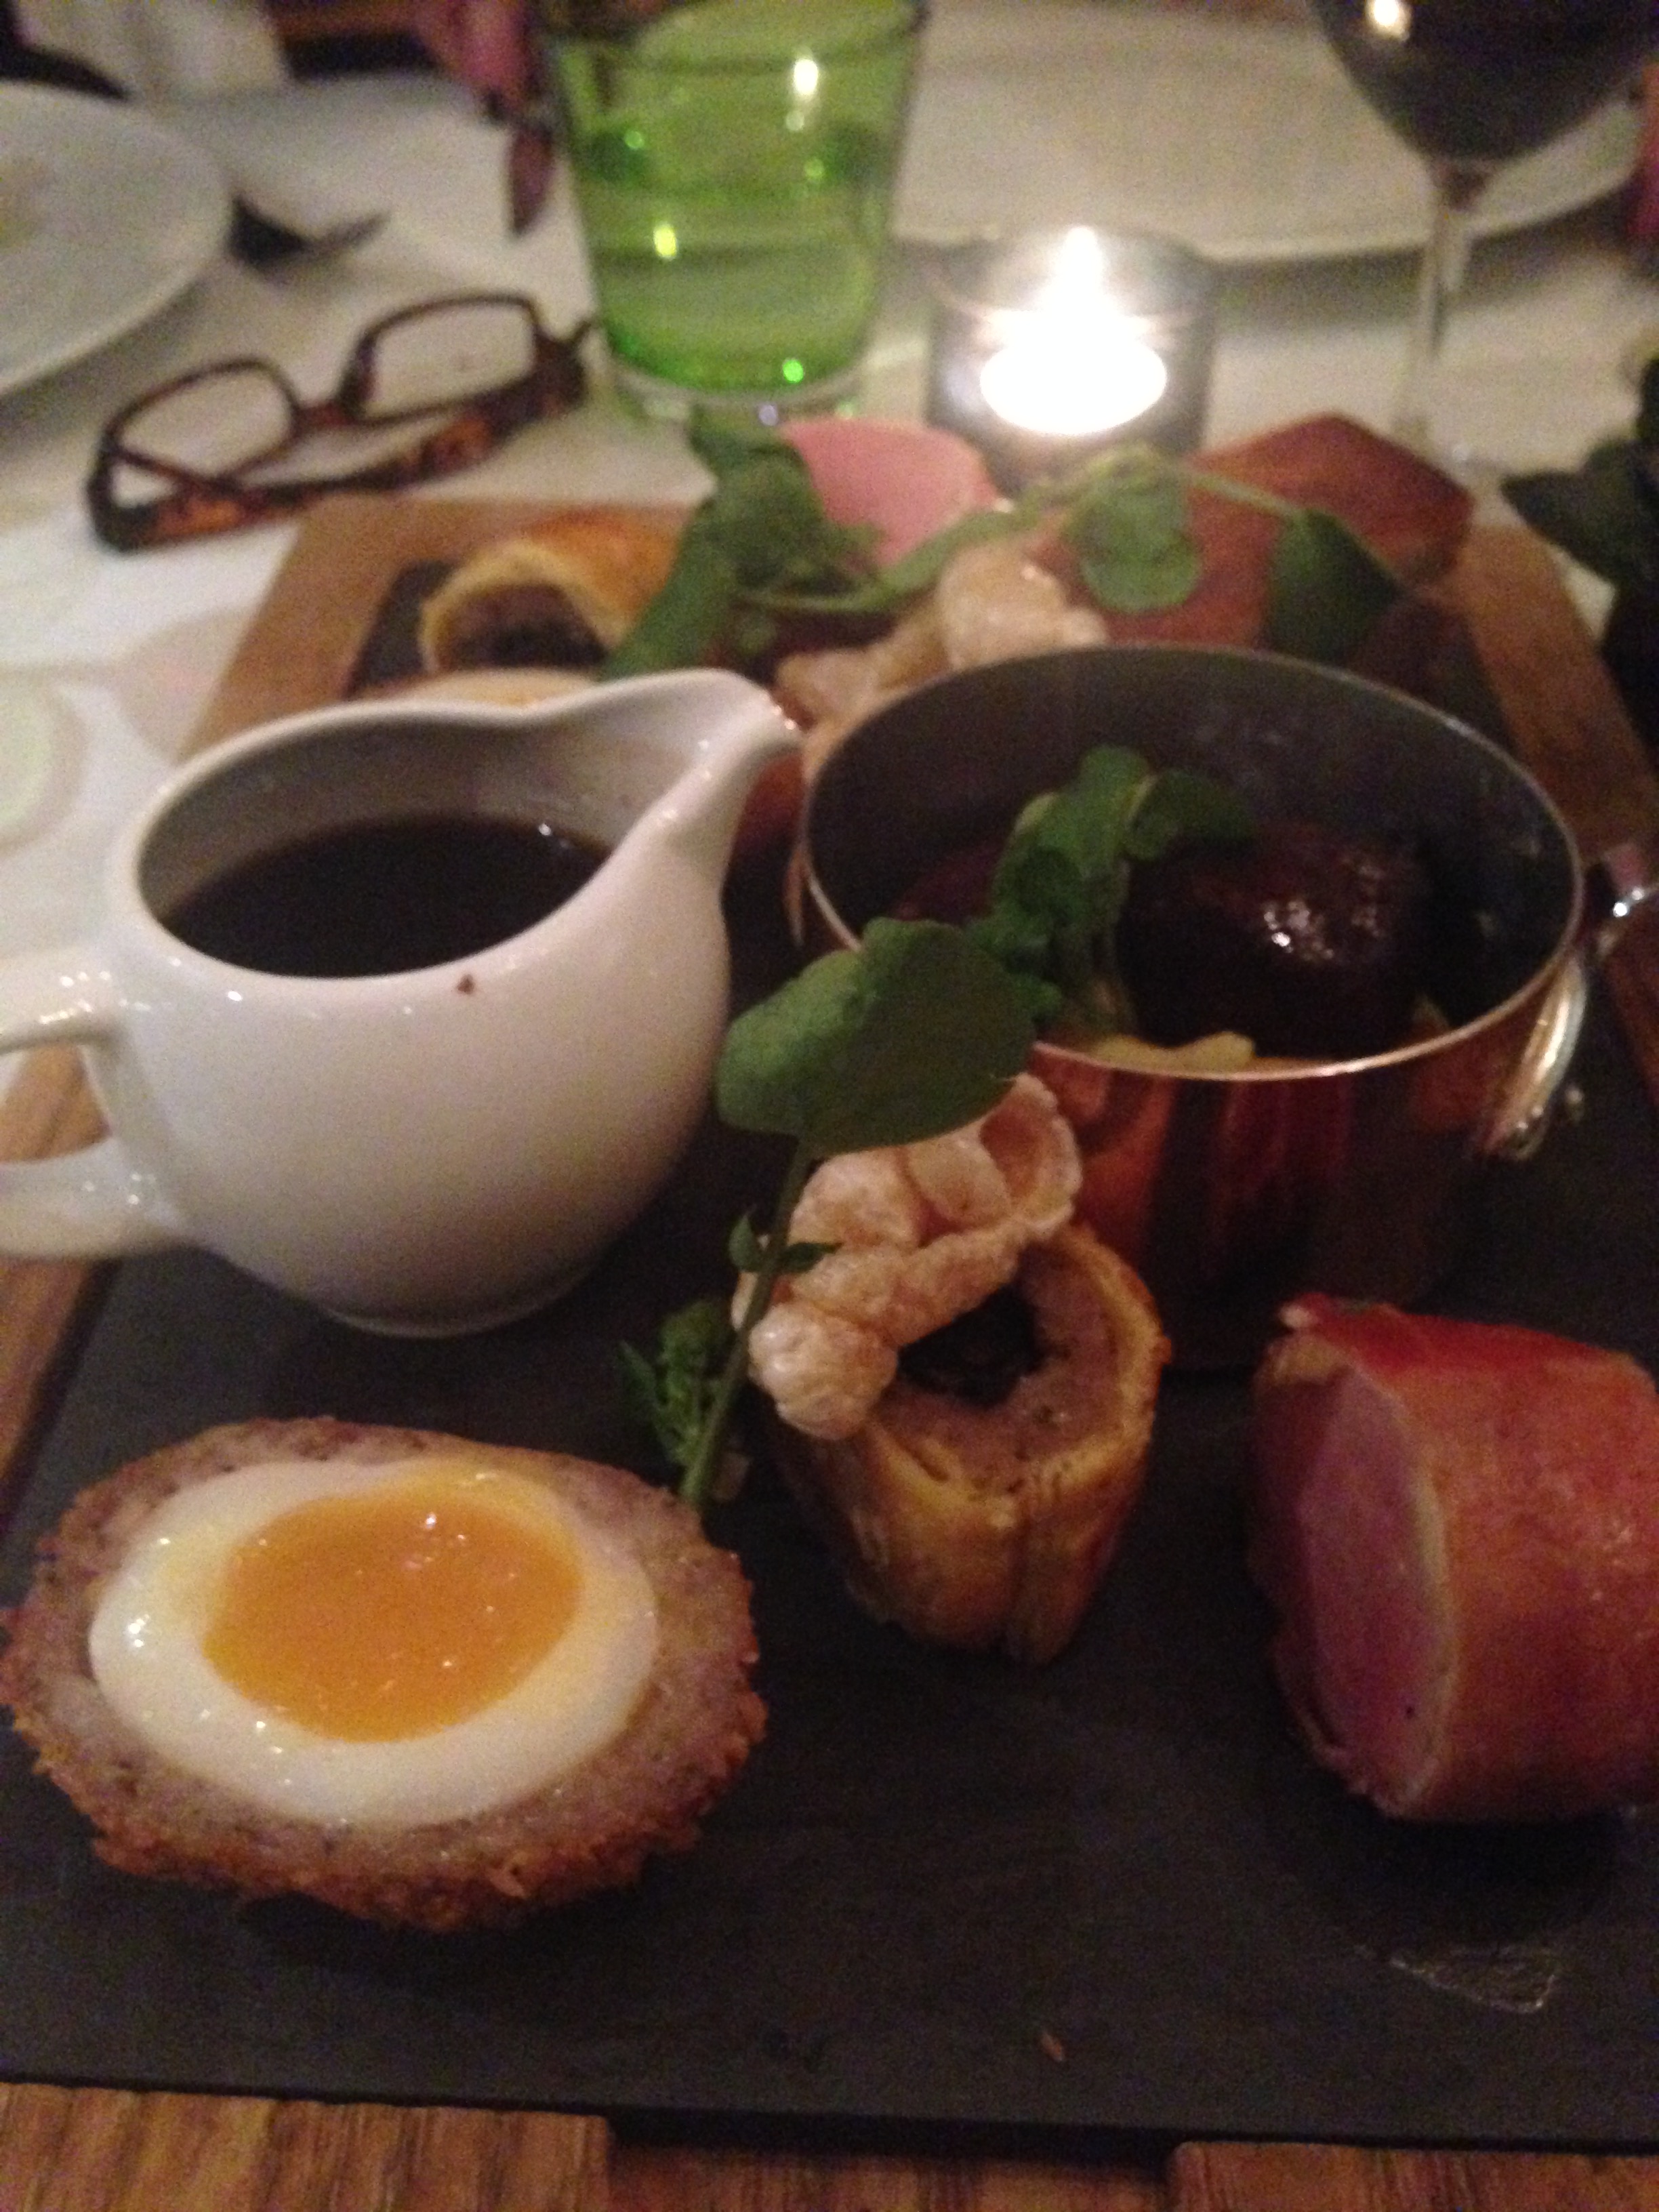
1127, 527
1060, 886
761, 532
1606, 513
919, 1030
1327, 590
761, 549
916, 1032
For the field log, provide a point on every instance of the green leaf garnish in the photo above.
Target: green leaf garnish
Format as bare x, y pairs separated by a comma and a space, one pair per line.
746, 1250
724, 442
915, 1033
689, 617
760, 549
1060, 886
762, 530
670, 1391
920, 569
1127, 527
1606, 513
1326, 589
1180, 806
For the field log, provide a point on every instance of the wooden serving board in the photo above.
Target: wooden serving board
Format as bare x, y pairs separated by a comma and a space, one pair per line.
106, 2150
306, 645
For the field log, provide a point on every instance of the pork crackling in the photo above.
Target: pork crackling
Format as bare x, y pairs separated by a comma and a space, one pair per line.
917, 1234
976, 1514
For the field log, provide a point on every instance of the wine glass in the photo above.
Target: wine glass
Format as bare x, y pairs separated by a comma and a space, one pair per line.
1470, 84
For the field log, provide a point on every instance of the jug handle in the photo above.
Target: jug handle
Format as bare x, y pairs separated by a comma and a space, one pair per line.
96, 1204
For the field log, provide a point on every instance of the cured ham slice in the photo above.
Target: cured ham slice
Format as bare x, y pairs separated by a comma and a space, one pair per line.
1459, 1527
907, 480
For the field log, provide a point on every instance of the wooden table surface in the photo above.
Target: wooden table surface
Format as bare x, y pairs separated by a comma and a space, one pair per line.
107, 2150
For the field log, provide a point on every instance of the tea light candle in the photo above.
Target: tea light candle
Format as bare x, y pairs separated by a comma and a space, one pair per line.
1050, 347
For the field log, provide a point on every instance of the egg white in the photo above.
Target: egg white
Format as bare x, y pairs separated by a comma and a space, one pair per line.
146, 1653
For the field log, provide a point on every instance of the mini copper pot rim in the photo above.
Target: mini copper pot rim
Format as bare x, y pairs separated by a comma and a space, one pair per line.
1231, 1191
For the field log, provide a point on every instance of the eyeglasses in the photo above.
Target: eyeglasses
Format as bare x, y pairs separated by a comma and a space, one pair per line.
219, 449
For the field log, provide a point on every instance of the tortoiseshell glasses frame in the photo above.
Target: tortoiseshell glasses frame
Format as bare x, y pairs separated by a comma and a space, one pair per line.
197, 500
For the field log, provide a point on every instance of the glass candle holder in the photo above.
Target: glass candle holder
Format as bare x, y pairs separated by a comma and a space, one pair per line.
1050, 346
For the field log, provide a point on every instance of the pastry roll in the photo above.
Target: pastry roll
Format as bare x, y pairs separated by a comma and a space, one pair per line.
987, 1525
562, 593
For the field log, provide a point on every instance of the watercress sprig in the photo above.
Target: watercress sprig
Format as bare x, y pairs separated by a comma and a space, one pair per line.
761, 550
763, 531
1605, 512
1060, 885
918, 1031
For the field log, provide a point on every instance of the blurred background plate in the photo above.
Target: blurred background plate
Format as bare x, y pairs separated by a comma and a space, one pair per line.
1237, 133
106, 217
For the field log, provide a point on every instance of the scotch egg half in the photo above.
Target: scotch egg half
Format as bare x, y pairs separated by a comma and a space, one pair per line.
400, 1642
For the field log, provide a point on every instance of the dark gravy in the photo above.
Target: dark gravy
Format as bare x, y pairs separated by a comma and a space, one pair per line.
377, 898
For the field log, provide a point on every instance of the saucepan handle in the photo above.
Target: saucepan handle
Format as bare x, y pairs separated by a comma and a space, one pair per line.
1622, 880
1524, 1113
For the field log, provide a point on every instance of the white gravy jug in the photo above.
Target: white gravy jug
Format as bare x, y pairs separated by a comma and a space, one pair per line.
428, 1148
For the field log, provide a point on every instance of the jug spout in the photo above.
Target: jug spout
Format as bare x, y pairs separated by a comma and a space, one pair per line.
736, 728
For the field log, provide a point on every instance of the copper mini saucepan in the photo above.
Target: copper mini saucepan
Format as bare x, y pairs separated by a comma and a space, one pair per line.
1231, 1192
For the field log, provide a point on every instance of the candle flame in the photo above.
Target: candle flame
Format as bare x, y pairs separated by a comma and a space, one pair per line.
1074, 365
1077, 277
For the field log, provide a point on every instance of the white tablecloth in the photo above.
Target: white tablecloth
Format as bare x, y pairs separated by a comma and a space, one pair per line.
158, 47
122, 651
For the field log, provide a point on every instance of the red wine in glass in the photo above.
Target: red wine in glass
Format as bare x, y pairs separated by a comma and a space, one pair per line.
1471, 84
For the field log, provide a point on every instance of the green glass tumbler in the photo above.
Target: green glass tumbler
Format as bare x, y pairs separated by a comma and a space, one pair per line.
734, 162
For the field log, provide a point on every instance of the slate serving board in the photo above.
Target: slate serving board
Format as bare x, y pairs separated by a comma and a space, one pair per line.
1109, 1895
948, 1898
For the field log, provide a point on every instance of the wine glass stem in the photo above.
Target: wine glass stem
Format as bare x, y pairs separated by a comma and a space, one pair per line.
1457, 187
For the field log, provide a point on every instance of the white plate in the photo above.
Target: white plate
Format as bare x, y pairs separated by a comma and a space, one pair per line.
104, 218
1244, 138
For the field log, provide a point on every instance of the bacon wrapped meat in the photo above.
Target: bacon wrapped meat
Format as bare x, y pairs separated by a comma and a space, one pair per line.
1458, 1524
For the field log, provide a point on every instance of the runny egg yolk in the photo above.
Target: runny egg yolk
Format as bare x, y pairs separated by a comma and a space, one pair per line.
395, 1612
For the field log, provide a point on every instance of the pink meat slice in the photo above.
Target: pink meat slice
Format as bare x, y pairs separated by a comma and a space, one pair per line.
909, 480
1458, 1525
